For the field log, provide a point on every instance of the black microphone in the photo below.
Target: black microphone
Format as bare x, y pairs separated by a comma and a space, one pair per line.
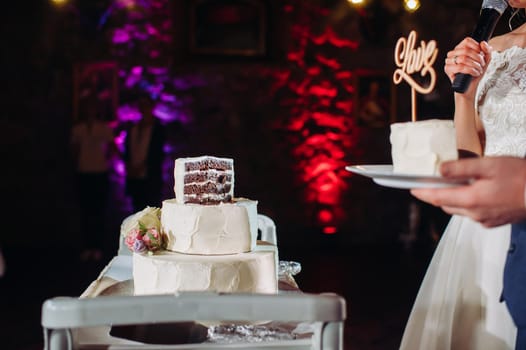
489, 16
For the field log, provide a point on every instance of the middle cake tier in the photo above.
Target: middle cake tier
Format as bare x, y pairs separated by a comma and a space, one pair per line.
225, 228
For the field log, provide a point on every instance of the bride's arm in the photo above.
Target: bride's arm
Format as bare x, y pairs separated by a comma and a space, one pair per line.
471, 58
468, 127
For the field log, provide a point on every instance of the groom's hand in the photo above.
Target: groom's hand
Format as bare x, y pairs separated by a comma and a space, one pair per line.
494, 196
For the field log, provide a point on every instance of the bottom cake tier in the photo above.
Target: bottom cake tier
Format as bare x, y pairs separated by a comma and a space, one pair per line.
170, 272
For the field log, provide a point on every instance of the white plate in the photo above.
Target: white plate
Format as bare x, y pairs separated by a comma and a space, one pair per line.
383, 175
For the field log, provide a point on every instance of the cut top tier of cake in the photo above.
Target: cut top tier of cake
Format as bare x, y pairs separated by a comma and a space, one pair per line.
204, 180
418, 148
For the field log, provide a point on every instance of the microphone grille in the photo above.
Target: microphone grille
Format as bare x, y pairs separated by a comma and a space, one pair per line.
498, 5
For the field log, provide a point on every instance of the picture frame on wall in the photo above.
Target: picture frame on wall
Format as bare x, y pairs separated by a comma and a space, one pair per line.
374, 100
228, 27
95, 85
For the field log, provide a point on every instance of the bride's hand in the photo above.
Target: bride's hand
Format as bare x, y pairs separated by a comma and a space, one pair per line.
469, 57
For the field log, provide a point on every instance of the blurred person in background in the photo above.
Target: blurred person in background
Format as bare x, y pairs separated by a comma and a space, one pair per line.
93, 146
143, 156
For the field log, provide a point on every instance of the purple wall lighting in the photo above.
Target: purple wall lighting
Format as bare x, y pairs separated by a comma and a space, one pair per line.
313, 93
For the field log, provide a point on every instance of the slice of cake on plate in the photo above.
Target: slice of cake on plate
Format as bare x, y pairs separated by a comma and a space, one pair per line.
419, 147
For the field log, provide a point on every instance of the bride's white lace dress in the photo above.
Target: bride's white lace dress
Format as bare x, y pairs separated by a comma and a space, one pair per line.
458, 305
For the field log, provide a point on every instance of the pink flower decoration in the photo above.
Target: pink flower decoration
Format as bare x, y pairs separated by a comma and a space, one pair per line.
154, 232
143, 234
152, 243
132, 236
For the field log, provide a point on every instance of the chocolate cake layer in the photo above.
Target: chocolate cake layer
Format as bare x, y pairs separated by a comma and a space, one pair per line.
204, 180
218, 177
208, 201
207, 164
207, 188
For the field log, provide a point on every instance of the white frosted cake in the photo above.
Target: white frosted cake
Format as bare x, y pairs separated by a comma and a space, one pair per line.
418, 148
224, 228
207, 237
169, 272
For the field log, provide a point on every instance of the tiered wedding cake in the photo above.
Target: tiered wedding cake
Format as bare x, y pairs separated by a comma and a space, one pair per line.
207, 239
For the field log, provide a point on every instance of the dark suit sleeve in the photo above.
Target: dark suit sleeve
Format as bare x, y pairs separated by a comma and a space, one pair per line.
514, 292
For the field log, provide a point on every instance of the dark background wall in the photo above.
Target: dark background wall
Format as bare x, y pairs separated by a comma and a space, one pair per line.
249, 108
288, 118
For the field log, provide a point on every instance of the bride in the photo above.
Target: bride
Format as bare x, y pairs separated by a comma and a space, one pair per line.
458, 305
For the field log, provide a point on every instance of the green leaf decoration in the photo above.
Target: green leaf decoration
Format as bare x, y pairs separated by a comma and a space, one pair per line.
152, 237
142, 227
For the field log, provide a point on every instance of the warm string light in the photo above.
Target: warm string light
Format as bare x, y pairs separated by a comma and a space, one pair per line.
59, 2
411, 5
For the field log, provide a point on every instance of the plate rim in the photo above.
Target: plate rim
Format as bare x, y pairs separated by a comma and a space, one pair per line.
410, 178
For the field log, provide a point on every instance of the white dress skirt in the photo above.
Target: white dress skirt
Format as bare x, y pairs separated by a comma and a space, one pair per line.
458, 305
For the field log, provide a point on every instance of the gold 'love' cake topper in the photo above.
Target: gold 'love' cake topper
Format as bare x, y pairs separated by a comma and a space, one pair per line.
410, 59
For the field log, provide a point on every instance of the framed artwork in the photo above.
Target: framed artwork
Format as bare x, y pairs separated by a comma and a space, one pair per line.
374, 100
228, 27
95, 84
